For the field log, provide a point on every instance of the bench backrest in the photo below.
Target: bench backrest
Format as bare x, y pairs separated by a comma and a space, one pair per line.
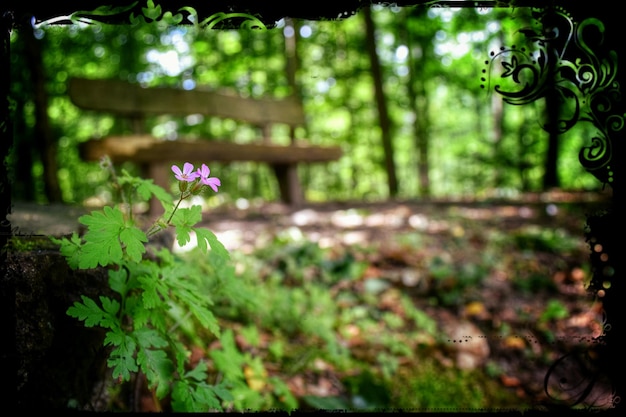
133, 101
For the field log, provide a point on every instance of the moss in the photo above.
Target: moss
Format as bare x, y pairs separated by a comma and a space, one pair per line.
32, 243
429, 386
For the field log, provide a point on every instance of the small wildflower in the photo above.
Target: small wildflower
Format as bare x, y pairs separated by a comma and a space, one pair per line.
212, 182
187, 174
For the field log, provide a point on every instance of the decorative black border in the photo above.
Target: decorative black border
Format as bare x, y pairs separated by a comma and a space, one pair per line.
561, 57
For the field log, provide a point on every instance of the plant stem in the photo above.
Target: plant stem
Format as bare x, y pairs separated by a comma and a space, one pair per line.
155, 228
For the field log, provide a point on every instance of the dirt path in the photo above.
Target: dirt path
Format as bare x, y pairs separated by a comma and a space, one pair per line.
457, 230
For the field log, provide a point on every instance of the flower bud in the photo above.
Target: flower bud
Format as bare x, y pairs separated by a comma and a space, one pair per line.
196, 188
182, 186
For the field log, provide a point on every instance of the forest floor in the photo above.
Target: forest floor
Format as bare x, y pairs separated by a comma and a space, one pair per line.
537, 267
507, 318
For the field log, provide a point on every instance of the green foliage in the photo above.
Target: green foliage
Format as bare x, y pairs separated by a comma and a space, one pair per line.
447, 49
432, 388
144, 322
554, 240
243, 371
193, 394
555, 310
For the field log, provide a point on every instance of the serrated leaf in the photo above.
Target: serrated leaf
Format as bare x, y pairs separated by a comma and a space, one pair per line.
150, 297
147, 337
111, 307
102, 245
206, 398
182, 400
114, 337
228, 359
87, 311
199, 372
100, 253
206, 318
184, 219
194, 397
223, 393
147, 189
122, 359
70, 249
158, 369
107, 235
204, 236
103, 219
134, 240
181, 355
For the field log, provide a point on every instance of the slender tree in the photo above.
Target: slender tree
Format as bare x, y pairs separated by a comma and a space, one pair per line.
381, 102
420, 40
45, 141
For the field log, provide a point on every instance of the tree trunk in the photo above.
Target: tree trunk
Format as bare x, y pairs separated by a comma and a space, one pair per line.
497, 112
550, 176
44, 139
553, 113
381, 103
419, 100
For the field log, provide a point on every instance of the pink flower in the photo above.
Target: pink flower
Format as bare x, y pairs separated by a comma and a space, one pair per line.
204, 173
186, 174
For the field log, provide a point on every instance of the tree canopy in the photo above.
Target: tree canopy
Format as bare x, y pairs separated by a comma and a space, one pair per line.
446, 134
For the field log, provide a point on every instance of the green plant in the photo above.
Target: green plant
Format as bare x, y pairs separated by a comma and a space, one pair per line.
159, 298
428, 386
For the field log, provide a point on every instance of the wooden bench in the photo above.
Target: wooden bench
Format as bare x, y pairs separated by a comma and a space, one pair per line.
155, 156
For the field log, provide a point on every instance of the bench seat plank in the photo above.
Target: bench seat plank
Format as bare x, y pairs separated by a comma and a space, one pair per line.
147, 149
131, 100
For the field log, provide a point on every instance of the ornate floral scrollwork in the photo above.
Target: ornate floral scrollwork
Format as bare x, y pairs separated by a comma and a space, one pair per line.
575, 380
567, 58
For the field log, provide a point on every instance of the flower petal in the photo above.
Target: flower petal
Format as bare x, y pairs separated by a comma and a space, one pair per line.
187, 168
212, 182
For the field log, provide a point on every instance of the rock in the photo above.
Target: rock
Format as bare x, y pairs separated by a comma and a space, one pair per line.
466, 343
58, 362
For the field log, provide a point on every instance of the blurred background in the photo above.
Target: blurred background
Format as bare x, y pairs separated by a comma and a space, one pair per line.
446, 133
378, 293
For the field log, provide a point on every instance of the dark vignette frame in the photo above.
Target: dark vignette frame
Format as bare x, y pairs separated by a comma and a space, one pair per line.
572, 65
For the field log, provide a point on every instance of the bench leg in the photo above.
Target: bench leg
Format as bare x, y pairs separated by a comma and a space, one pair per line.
289, 184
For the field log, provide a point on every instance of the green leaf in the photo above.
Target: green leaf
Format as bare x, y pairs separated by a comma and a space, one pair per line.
184, 219
87, 311
182, 396
122, 359
114, 337
134, 240
204, 236
222, 392
150, 296
199, 372
107, 235
188, 396
102, 245
117, 280
158, 369
205, 397
70, 249
111, 307
146, 189
139, 313
206, 318
228, 359
147, 337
